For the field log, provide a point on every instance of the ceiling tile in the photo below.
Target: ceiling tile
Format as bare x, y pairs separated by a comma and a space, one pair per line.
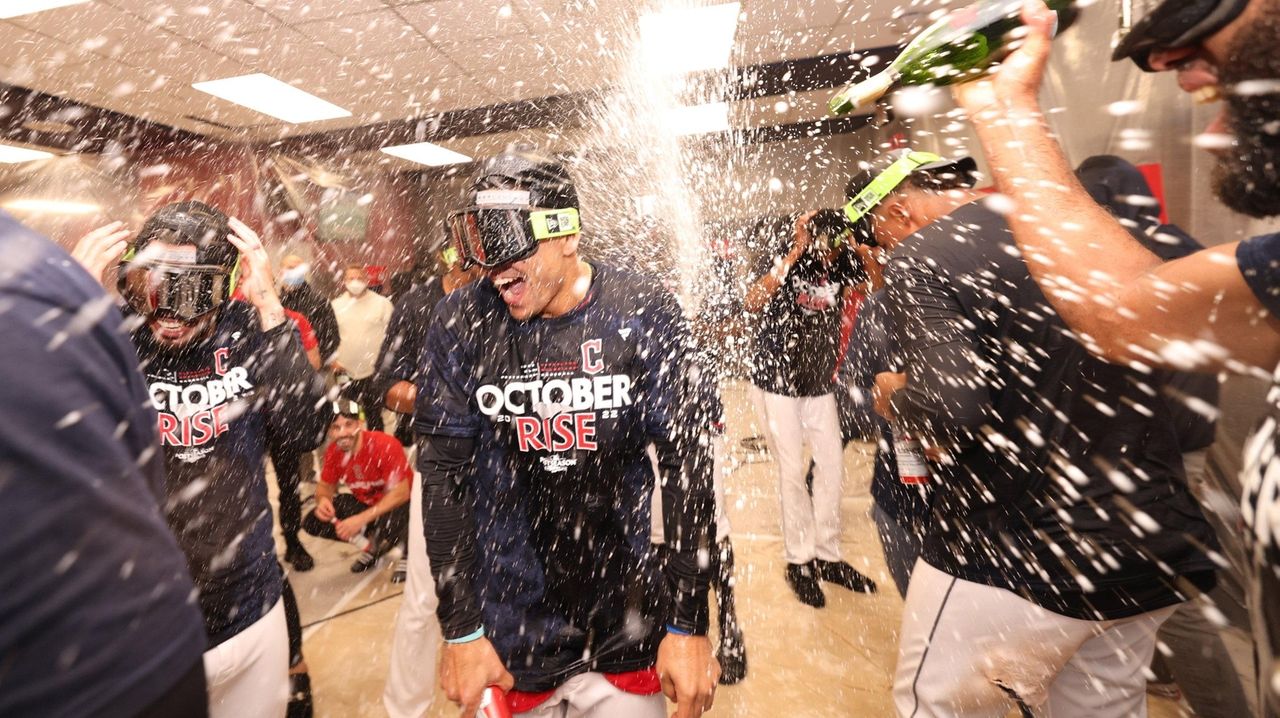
458, 20
370, 34
186, 62
92, 27
418, 62
500, 57
280, 51
30, 58
418, 100
298, 11
206, 21
562, 18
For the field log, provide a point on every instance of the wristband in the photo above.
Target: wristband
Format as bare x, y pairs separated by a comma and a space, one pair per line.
473, 636
676, 631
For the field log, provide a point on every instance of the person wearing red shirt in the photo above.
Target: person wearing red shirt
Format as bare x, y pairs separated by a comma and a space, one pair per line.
373, 466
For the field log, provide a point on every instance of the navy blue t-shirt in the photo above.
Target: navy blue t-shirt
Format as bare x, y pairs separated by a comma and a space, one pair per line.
216, 399
1058, 457
1259, 261
560, 411
797, 338
97, 611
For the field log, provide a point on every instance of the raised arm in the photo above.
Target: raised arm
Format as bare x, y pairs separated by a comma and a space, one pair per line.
1196, 312
769, 279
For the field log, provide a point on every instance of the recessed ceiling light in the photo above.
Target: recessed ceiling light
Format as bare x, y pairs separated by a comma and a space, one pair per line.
698, 119
51, 206
12, 155
426, 153
263, 93
689, 39
14, 8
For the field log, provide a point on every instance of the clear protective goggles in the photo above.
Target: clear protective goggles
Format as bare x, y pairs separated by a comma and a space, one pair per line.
493, 235
159, 286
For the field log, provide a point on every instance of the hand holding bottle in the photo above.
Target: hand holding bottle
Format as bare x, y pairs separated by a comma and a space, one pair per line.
887, 384
468, 669
963, 45
1016, 83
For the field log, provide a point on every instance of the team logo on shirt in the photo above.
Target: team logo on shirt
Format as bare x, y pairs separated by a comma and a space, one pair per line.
195, 407
552, 408
815, 297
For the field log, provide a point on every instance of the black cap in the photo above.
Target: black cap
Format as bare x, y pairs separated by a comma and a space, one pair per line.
1175, 24
959, 172
522, 167
348, 408
194, 223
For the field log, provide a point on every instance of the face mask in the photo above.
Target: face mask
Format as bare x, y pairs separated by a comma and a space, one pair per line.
356, 287
294, 277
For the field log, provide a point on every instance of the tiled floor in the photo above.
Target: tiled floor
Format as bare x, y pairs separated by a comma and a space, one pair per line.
804, 663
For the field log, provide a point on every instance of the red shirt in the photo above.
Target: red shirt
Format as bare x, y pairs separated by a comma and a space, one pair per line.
377, 467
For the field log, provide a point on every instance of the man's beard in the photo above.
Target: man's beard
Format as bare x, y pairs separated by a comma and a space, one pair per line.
1247, 176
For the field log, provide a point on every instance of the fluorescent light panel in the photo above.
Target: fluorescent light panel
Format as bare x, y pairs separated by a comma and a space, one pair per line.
12, 155
51, 206
698, 119
690, 39
16, 8
425, 153
263, 93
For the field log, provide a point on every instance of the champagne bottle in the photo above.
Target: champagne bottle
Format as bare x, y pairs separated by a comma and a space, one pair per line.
961, 46
913, 466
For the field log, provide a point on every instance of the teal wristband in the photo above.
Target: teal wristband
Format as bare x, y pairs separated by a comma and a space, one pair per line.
473, 636
676, 631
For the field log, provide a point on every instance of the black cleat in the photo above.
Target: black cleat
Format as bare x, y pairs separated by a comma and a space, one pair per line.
297, 557
300, 704
801, 579
402, 571
842, 574
363, 562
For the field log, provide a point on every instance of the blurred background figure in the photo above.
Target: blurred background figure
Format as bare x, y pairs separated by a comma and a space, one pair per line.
97, 611
436, 272
363, 316
411, 680
297, 294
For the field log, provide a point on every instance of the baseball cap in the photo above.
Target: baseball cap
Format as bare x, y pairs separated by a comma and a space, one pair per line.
1174, 24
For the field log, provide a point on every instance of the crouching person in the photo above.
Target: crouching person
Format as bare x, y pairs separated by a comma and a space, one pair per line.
373, 466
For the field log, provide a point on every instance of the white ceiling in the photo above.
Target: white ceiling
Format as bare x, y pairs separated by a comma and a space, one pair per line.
380, 59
